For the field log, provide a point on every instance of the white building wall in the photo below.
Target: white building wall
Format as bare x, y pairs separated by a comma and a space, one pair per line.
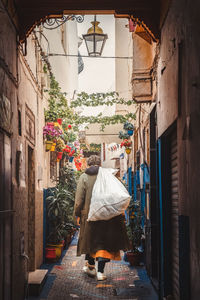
123, 74
64, 41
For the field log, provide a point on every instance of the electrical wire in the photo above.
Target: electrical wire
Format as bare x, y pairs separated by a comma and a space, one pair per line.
87, 56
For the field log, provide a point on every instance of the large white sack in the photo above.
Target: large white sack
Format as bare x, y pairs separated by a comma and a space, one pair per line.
109, 197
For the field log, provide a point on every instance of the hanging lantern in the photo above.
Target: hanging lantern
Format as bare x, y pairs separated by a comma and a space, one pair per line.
95, 39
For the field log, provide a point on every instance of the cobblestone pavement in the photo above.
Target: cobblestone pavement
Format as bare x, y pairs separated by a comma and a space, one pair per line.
67, 281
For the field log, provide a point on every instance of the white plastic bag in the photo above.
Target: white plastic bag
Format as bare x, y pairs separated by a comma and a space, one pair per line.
109, 197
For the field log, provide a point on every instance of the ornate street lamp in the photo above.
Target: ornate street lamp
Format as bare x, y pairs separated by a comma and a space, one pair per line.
95, 39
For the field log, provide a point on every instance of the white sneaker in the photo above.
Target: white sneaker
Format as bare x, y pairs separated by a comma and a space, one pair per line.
90, 270
101, 276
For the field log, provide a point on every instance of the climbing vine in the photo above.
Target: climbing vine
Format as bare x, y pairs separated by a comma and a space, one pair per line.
57, 103
104, 121
98, 99
58, 107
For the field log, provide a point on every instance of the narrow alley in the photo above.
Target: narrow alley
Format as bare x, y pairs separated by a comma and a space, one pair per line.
66, 280
99, 94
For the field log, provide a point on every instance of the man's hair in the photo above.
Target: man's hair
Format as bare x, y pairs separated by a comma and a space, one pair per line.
94, 160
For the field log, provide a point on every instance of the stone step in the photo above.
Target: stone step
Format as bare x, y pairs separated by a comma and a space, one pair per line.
36, 281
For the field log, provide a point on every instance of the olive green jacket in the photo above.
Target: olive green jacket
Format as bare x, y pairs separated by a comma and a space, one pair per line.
107, 235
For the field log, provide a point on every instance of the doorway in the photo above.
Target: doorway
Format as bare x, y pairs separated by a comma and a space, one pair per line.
169, 213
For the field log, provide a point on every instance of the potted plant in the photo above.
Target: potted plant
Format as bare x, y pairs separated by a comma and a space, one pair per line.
127, 144
129, 127
123, 135
60, 145
59, 216
50, 135
135, 233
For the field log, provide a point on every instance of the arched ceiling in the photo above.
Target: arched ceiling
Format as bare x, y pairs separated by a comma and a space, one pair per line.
32, 12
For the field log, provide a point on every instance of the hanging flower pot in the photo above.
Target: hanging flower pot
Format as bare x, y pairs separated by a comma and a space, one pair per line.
50, 124
128, 150
56, 124
53, 146
71, 159
48, 145
59, 121
130, 132
59, 155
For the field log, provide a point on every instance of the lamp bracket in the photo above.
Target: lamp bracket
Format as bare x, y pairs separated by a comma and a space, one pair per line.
53, 23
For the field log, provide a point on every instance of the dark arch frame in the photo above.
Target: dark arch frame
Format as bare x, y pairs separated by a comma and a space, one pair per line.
28, 14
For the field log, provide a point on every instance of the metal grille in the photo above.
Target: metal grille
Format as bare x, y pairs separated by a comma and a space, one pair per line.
174, 217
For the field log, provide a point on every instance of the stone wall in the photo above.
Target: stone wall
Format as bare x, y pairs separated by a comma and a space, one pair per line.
178, 100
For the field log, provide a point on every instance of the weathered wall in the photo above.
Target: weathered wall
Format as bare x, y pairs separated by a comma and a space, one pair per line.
63, 40
178, 99
123, 67
9, 85
20, 82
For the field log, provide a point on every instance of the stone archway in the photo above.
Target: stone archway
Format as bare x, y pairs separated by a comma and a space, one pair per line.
27, 14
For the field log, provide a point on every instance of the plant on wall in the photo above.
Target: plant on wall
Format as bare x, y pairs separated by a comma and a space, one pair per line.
51, 133
128, 126
57, 103
58, 107
69, 136
123, 135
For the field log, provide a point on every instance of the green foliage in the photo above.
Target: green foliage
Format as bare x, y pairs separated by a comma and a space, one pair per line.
57, 104
99, 99
104, 121
69, 136
95, 147
58, 107
60, 206
91, 148
134, 229
123, 135
128, 126
45, 68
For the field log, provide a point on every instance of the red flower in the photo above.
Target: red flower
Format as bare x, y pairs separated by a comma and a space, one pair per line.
69, 126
